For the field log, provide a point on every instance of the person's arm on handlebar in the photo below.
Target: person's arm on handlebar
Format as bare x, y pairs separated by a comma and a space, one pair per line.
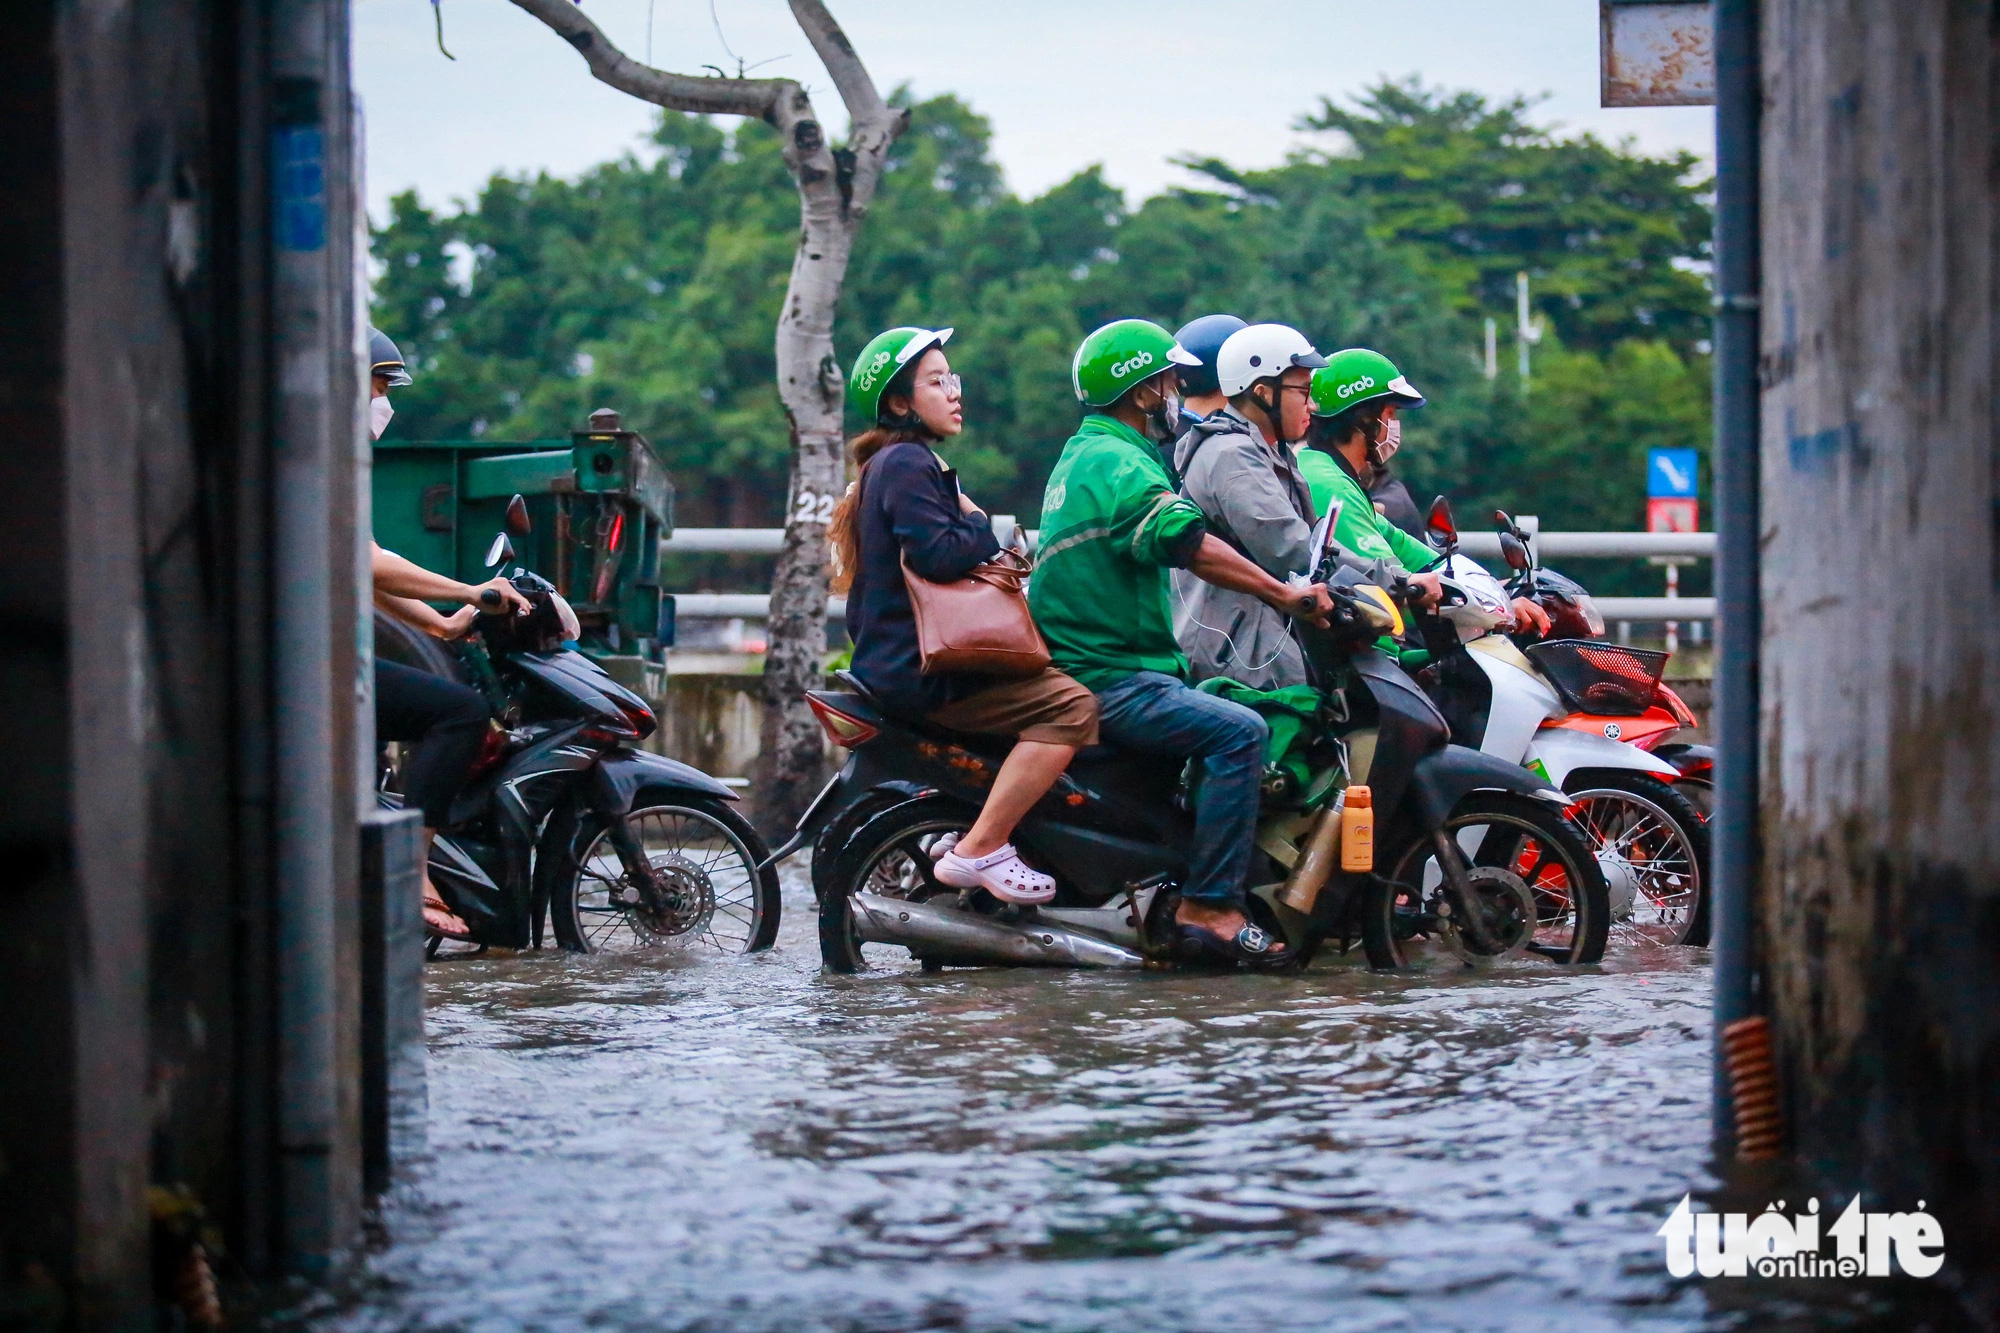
401, 578
423, 616
1215, 561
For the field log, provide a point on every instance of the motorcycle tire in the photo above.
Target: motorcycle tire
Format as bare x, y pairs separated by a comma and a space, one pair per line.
709, 854
1640, 813
890, 855
1524, 835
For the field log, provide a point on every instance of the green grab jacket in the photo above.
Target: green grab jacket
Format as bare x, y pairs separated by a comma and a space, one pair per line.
1111, 528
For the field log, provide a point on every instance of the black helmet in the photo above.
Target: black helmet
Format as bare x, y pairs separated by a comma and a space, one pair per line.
385, 360
1203, 338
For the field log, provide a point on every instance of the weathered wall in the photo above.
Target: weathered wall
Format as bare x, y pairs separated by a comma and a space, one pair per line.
1880, 906
142, 833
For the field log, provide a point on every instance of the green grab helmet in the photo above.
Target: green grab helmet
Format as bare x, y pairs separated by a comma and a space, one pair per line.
1356, 375
885, 355
1122, 355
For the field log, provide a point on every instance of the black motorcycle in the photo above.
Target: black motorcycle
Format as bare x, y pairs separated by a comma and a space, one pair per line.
1474, 857
567, 820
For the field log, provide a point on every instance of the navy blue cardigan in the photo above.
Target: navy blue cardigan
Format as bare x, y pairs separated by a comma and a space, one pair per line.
909, 504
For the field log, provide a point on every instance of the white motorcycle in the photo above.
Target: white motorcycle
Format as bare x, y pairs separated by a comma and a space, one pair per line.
1558, 709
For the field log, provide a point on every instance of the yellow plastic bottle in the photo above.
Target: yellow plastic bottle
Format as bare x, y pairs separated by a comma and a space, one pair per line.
1357, 831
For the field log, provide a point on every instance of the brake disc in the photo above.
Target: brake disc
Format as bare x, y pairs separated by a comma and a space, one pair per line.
687, 899
1510, 914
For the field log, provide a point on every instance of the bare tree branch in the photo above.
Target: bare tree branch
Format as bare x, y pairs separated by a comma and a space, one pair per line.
857, 90
760, 99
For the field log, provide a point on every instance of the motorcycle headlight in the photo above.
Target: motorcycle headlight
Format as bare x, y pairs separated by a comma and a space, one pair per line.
1380, 609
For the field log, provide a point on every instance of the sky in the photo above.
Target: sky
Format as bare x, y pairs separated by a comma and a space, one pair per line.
1065, 83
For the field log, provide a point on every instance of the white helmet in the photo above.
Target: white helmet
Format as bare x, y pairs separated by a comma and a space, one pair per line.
1259, 352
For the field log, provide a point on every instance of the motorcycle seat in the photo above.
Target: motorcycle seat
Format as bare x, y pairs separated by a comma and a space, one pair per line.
1090, 756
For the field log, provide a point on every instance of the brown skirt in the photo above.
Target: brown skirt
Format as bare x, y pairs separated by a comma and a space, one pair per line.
1048, 707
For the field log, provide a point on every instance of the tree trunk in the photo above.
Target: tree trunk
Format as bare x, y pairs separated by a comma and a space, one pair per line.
835, 188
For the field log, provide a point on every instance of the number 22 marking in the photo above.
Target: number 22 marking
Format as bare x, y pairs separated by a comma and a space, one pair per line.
812, 507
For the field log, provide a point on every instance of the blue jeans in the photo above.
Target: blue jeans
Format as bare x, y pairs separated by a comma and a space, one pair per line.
1153, 713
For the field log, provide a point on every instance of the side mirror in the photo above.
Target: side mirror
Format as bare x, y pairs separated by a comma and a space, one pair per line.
1440, 523
1514, 551
500, 552
518, 522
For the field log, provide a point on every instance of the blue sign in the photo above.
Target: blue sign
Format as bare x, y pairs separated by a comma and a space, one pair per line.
1670, 472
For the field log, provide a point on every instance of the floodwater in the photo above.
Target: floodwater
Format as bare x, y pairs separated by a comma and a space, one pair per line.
708, 1143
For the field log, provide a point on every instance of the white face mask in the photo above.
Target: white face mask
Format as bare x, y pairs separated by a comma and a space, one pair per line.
1391, 441
379, 413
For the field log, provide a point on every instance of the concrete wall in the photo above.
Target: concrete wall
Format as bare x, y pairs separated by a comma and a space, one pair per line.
1880, 903
179, 987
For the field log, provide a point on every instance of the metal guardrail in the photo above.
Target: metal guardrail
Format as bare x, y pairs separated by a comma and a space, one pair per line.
756, 606
1478, 545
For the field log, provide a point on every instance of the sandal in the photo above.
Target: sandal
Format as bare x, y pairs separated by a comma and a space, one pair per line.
1000, 872
1252, 945
450, 928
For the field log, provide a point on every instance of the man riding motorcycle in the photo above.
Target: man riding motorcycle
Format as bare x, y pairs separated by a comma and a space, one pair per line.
1356, 400
1237, 465
1112, 526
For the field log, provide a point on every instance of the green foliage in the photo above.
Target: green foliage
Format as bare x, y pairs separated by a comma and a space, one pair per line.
653, 285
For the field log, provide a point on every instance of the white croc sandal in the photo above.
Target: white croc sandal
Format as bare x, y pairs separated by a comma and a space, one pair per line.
1000, 872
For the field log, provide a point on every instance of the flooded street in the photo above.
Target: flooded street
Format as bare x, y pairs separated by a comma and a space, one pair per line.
710, 1143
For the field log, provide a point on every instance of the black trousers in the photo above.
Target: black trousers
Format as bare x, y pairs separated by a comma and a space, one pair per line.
445, 719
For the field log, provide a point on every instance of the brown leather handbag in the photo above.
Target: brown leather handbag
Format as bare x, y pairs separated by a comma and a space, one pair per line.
977, 623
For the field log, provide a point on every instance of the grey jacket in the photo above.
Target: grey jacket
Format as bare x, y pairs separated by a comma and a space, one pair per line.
1254, 499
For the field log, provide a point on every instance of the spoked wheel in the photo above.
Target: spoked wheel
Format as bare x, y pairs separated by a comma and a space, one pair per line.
1652, 845
1519, 850
890, 856
704, 856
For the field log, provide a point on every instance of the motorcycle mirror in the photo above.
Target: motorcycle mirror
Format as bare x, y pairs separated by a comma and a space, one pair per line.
500, 551
518, 522
1440, 521
1505, 522
1513, 550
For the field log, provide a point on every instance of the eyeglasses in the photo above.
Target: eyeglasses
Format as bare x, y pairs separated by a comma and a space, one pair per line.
946, 384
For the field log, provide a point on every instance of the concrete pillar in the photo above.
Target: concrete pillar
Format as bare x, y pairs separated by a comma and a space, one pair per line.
1880, 714
155, 871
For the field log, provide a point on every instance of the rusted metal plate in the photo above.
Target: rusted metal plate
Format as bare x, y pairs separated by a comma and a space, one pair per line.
1656, 53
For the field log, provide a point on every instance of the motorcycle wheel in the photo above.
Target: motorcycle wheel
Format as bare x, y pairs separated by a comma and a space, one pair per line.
889, 856
706, 853
1651, 835
1518, 836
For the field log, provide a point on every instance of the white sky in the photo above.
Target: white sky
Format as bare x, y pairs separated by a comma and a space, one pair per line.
1065, 84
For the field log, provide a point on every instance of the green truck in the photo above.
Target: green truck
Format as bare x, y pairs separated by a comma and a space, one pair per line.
598, 506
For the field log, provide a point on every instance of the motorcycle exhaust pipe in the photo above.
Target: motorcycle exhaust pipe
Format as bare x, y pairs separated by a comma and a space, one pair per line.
950, 936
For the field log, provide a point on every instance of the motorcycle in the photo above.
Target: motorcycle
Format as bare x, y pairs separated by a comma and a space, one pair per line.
566, 821
1574, 616
1577, 713
1476, 859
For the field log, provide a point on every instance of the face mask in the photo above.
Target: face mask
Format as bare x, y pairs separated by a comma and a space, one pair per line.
1391, 441
1164, 421
379, 413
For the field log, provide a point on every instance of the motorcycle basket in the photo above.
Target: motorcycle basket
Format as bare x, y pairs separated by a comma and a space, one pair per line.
1601, 678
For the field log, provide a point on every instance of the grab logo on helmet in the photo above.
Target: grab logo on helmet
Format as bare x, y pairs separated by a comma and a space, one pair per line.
1120, 369
1349, 390
874, 369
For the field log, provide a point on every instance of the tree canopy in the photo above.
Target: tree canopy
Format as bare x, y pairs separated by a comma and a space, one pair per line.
652, 283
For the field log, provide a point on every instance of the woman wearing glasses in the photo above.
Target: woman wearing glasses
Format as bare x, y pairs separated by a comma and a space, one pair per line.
906, 504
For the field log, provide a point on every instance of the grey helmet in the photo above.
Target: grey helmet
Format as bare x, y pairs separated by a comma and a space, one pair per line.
385, 359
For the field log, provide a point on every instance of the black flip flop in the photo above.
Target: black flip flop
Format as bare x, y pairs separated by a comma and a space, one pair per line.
1252, 945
